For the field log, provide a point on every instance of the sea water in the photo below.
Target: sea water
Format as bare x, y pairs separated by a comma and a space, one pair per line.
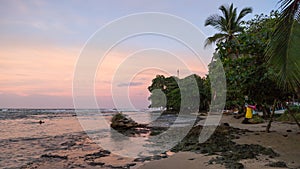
23, 139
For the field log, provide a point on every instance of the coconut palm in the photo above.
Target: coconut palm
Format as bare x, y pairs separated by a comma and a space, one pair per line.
229, 24
283, 52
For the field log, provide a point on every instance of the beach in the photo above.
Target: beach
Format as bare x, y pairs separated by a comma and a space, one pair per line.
60, 142
284, 139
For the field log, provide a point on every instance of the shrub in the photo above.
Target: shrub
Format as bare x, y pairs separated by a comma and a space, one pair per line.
287, 117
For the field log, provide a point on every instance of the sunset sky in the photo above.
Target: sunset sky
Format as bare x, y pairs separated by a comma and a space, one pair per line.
40, 42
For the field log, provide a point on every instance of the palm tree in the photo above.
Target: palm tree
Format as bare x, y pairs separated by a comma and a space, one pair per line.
229, 25
283, 52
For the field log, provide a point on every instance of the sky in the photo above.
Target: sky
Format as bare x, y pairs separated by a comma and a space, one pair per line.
41, 41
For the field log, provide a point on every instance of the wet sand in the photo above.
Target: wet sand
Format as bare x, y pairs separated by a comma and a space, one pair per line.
67, 146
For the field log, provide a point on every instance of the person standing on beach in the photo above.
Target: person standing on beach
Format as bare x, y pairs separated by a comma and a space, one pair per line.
249, 114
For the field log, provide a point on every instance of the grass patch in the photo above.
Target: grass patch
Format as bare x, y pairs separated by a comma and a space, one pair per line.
257, 119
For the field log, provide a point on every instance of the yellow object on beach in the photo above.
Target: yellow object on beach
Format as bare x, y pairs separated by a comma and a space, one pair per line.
249, 113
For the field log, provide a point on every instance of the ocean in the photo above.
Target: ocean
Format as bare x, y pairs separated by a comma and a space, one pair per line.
24, 140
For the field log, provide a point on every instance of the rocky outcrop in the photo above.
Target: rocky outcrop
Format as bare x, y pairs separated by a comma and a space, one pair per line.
120, 121
128, 127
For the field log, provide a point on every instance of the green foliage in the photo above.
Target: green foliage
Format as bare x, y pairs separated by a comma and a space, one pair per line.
283, 50
249, 75
166, 93
254, 39
257, 119
286, 117
229, 25
241, 47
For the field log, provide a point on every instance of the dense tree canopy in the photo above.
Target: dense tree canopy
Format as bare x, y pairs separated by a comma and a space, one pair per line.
274, 37
167, 92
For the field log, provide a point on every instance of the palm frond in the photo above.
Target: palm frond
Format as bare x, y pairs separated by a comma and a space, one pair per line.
243, 13
212, 20
284, 3
283, 50
227, 24
216, 38
224, 9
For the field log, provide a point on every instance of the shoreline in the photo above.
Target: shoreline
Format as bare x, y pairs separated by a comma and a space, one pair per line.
77, 150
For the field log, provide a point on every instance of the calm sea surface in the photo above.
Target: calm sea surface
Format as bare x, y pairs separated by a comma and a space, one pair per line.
23, 139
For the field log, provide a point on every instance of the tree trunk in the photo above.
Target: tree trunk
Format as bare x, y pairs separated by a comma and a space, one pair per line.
272, 116
266, 112
298, 93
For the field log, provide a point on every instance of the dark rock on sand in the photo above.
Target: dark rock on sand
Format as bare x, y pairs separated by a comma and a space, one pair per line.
139, 160
54, 156
101, 153
221, 143
151, 158
226, 124
279, 164
120, 121
127, 126
68, 144
92, 163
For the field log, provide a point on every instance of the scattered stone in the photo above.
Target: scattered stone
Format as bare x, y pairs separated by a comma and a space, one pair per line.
279, 164
131, 164
226, 124
54, 156
101, 153
139, 160
116, 167
68, 144
229, 153
234, 165
191, 159
92, 163
285, 135
288, 131
237, 137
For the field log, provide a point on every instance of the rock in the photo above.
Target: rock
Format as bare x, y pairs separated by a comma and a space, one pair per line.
101, 153
54, 156
68, 144
279, 164
235, 166
220, 143
96, 163
130, 165
129, 127
288, 131
226, 124
120, 121
139, 160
